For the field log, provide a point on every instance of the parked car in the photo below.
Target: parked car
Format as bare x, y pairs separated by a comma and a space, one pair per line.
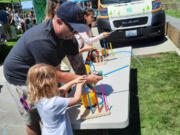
131, 19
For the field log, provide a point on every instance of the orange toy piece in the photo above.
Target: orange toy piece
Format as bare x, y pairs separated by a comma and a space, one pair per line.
103, 52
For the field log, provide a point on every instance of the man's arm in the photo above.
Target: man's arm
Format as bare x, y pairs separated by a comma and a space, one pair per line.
77, 64
72, 53
65, 76
79, 69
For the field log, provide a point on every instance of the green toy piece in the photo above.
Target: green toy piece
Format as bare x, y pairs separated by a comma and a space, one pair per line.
110, 13
100, 73
148, 8
143, 9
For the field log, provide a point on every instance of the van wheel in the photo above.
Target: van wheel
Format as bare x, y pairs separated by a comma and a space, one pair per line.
161, 37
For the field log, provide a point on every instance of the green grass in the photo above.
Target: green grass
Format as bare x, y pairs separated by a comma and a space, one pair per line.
159, 94
173, 13
12, 43
5, 47
175, 2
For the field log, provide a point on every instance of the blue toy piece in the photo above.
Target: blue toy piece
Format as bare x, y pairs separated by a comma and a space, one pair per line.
89, 100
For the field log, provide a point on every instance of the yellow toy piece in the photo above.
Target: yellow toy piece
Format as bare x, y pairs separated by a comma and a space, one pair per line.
88, 69
85, 101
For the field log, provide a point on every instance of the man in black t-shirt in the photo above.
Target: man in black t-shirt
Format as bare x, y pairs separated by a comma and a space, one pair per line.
47, 43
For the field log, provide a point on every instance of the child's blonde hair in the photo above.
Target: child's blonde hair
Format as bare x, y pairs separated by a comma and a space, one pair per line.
41, 81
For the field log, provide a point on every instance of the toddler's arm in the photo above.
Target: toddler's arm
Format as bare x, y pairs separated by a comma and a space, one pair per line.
77, 96
68, 85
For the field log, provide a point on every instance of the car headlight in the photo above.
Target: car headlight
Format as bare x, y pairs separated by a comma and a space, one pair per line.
156, 4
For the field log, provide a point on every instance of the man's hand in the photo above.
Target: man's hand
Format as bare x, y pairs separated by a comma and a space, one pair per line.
93, 79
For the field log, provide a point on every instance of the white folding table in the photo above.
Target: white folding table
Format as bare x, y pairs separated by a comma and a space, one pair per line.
116, 87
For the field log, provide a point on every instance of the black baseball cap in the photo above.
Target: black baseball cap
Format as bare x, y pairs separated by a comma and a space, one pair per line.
73, 16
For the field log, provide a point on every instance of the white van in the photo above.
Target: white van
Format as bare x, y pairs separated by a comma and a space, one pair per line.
131, 19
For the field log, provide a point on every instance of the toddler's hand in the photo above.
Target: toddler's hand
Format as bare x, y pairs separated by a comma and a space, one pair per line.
81, 79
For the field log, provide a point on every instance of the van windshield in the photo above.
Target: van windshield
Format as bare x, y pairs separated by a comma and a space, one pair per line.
117, 1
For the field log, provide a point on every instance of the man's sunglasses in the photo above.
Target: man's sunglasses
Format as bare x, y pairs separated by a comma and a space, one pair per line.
71, 29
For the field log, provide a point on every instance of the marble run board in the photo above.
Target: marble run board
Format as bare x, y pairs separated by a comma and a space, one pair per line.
85, 113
